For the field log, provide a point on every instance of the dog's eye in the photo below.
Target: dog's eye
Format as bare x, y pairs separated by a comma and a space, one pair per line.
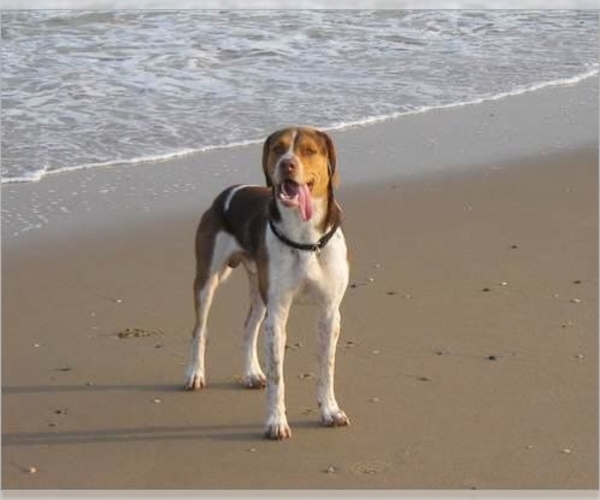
278, 149
308, 152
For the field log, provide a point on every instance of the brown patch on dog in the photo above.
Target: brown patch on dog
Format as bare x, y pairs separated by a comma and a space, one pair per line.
275, 146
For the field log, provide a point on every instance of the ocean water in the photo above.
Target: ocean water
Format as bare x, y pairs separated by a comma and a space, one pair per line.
91, 89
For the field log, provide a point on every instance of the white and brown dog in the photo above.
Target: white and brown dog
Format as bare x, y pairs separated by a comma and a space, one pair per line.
288, 237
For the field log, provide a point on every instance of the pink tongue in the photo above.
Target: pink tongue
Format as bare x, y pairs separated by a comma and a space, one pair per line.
304, 202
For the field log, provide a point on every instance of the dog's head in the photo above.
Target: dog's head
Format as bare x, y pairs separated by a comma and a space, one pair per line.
300, 164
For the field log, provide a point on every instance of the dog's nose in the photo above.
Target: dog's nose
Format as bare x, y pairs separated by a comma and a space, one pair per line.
289, 165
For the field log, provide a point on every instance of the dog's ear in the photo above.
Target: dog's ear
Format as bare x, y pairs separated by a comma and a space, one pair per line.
334, 176
265, 158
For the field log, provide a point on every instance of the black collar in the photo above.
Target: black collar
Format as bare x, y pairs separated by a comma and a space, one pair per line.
310, 247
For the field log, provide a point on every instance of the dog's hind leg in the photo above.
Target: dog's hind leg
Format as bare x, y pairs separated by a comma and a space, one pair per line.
254, 378
212, 268
203, 294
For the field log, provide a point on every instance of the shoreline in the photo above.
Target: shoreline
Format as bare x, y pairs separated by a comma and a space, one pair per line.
341, 127
548, 121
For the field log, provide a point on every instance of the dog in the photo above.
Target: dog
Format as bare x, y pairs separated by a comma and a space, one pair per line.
288, 237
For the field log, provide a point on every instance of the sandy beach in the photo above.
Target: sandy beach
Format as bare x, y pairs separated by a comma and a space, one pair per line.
469, 349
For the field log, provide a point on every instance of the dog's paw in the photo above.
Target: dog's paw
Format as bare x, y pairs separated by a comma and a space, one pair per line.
278, 432
335, 418
195, 382
278, 429
255, 381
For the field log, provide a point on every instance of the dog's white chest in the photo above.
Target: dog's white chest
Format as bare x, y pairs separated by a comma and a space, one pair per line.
308, 274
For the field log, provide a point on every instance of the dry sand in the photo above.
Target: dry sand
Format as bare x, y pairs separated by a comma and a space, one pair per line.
468, 357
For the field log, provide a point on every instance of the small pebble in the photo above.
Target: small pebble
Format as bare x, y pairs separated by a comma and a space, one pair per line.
555, 295
32, 470
529, 447
504, 283
577, 282
156, 400
486, 289
370, 280
377, 266
514, 247
580, 356
423, 379
566, 451
307, 375
375, 351
374, 400
492, 358
330, 470
89, 384
252, 450
52, 424
118, 301
60, 412
391, 292
36, 345
576, 301
407, 296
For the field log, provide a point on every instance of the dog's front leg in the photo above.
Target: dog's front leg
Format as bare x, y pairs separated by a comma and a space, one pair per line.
329, 332
275, 335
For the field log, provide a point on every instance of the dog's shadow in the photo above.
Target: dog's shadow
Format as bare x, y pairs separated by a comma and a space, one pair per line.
250, 432
154, 388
